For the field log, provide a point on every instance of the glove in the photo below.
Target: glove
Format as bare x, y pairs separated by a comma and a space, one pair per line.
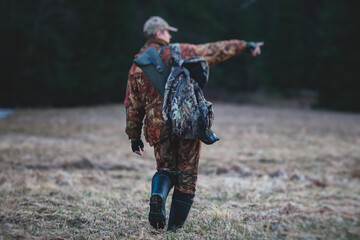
136, 145
250, 46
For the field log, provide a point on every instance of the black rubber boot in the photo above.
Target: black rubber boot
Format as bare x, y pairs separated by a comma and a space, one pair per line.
160, 187
180, 207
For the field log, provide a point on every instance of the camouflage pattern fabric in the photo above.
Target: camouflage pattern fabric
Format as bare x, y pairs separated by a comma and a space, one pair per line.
177, 155
181, 157
142, 100
156, 23
185, 107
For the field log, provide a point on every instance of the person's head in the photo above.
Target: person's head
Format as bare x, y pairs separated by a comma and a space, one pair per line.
158, 28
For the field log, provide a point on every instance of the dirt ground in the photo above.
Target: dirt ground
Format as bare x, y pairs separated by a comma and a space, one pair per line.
276, 173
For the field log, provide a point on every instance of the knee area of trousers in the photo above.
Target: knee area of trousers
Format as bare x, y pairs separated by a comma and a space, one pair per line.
166, 174
185, 187
183, 197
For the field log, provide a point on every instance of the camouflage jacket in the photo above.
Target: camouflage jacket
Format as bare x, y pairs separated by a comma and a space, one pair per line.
143, 100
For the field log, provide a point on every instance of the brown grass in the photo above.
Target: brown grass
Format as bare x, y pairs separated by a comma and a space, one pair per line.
275, 174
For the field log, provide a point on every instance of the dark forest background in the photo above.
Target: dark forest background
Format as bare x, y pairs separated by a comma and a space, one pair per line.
68, 53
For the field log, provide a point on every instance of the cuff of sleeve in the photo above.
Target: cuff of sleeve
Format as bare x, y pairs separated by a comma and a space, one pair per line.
133, 135
240, 46
134, 139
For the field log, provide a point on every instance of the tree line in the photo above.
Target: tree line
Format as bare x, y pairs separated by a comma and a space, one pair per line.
68, 53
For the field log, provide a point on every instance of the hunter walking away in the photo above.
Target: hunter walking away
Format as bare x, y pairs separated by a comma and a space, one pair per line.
263, 147
177, 155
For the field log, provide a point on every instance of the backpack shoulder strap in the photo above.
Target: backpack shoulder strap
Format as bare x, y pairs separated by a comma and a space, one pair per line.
175, 52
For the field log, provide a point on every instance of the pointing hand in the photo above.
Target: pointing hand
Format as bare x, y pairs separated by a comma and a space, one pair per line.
254, 47
257, 50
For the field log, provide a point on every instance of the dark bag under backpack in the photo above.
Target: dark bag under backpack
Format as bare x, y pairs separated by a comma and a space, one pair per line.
185, 109
154, 68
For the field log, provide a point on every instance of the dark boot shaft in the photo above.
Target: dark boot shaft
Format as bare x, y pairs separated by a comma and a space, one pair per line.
161, 183
180, 208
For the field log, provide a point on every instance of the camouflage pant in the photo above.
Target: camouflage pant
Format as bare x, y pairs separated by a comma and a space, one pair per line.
181, 157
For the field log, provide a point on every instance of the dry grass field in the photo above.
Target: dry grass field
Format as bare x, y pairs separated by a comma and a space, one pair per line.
276, 173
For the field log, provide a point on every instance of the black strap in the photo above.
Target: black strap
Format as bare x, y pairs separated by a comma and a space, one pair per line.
153, 61
157, 66
154, 68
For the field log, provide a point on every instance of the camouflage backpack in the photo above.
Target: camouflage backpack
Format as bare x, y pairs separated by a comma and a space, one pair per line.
185, 108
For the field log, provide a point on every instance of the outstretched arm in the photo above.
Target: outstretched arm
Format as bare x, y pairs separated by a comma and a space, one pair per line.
220, 51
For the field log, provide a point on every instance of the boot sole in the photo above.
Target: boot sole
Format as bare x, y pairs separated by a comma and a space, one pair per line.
156, 217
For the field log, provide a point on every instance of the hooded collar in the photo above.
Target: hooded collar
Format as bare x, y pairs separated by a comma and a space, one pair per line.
157, 41
150, 42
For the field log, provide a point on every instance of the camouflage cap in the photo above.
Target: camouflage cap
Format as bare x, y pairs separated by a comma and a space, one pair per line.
156, 23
